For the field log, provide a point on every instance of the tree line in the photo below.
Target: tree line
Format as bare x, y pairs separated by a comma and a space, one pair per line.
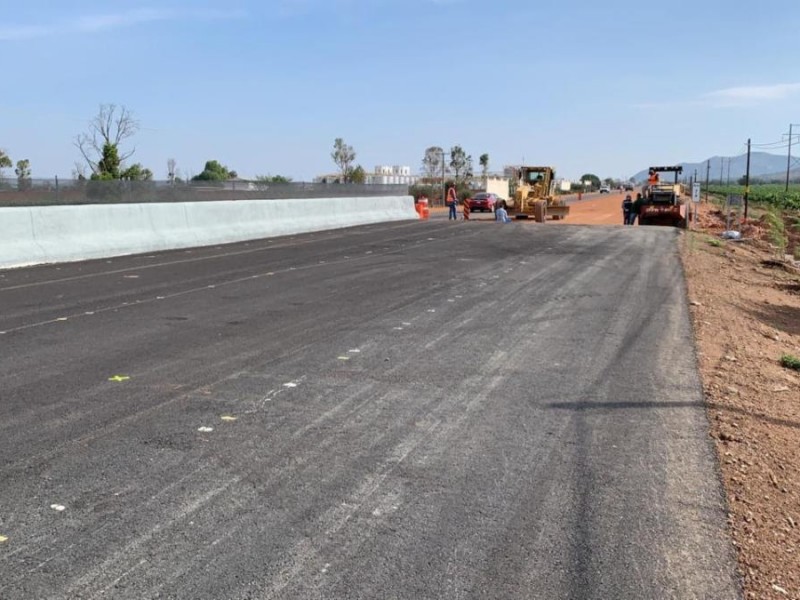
22, 170
105, 155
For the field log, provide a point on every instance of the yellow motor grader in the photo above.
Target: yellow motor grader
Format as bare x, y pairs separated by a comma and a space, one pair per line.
535, 197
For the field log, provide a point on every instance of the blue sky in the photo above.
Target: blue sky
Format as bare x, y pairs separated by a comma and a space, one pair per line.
606, 87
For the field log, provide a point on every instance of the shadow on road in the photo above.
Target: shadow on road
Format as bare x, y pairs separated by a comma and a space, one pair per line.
590, 405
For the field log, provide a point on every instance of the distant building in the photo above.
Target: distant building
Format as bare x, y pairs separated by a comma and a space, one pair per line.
328, 178
382, 175
389, 175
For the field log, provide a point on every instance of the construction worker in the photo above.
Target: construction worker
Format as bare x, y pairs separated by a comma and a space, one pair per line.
636, 208
501, 214
627, 208
452, 201
652, 178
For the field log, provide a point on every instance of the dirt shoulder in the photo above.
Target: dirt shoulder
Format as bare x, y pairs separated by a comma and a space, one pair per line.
746, 313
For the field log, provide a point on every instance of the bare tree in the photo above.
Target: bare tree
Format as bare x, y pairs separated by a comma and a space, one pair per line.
343, 155
171, 164
432, 162
79, 172
460, 163
111, 126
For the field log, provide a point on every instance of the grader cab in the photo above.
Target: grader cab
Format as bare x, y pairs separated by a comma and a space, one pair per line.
535, 197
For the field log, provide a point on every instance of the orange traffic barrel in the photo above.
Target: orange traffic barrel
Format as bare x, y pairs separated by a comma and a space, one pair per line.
422, 208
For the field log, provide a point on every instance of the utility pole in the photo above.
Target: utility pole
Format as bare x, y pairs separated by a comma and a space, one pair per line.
708, 174
729, 171
721, 163
789, 157
747, 180
444, 183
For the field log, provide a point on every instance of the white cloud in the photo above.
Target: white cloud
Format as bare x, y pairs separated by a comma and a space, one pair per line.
753, 94
741, 96
104, 22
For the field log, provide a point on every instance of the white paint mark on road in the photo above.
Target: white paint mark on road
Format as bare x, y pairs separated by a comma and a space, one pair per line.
228, 418
354, 351
62, 319
343, 357
326, 567
431, 310
89, 312
211, 287
205, 429
406, 324
459, 296
58, 507
131, 276
290, 384
451, 299
397, 328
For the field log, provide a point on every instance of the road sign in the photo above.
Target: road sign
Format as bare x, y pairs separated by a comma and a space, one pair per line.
695, 192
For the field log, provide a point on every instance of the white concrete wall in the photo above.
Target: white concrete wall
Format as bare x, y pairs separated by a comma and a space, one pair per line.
497, 185
47, 234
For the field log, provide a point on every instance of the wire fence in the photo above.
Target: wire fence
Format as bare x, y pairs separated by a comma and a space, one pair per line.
45, 192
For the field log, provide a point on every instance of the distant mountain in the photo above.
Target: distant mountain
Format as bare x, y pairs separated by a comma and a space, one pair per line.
763, 166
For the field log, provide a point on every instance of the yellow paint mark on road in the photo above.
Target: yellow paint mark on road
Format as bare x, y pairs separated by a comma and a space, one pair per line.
3, 539
228, 418
119, 378
343, 357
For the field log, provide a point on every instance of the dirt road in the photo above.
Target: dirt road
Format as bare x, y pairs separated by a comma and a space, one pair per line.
605, 210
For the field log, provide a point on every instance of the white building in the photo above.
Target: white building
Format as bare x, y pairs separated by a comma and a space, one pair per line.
382, 175
392, 175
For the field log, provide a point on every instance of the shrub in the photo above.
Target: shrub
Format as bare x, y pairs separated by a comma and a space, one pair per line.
790, 362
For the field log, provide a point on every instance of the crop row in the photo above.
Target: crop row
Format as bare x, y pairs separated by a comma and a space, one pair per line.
775, 195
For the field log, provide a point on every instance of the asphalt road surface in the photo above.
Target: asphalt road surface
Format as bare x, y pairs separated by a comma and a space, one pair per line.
408, 410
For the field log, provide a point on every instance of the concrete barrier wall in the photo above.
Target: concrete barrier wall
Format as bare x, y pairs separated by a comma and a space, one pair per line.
47, 234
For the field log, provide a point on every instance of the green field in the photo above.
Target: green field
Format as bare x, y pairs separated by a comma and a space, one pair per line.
772, 194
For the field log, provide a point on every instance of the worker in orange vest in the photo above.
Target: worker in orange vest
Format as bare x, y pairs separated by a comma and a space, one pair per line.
451, 201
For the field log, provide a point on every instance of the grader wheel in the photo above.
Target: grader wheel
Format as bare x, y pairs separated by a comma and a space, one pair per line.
540, 211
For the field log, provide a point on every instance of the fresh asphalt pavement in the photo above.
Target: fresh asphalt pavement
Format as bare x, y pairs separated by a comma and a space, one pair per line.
406, 410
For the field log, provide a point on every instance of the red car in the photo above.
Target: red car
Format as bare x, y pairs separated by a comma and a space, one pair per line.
483, 202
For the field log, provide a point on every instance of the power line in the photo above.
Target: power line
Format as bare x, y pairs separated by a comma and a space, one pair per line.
784, 144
